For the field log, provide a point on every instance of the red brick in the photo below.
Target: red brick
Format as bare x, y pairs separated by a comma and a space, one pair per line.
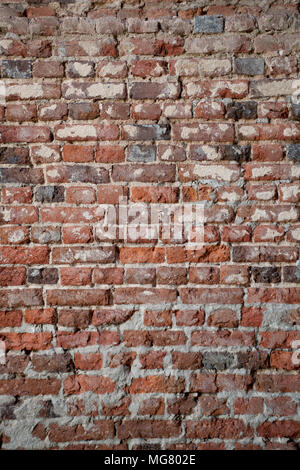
80, 195
77, 234
89, 361
283, 428
279, 295
24, 255
128, 429
12, 276
79, 297
40, 316
140, 295
27, 341
218, 428
88, 383
101, 429
75, 276
212, 295
30, 387
78, 153
10, 318
110, 154
157, 383
146, 111
158, 318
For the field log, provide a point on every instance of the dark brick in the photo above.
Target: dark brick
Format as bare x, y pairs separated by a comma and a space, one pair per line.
7, 409
293, 152
239, 153
249, 66
266, 274
291, 273
14, 155
83, 111
154, 90
53, 363
16, 69
142, 153
21, 175
42, 276
241, 110
209, 24
252, 360
50, 194
182, 405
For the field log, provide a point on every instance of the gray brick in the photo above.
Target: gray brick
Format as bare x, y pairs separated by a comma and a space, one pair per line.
293, 152
209, 24
16, 69
249, 66
142, 153
296, 111
50, 194
218, 360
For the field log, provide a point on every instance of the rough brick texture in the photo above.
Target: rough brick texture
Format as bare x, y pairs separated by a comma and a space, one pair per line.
141, 341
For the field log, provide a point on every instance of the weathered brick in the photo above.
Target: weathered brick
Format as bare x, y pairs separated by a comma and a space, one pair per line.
78, 173
78, 90
146, 132
86, 132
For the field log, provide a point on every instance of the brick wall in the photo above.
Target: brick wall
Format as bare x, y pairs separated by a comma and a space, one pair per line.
149, 341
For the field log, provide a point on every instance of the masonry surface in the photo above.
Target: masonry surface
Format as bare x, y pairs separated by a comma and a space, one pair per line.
111, 343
